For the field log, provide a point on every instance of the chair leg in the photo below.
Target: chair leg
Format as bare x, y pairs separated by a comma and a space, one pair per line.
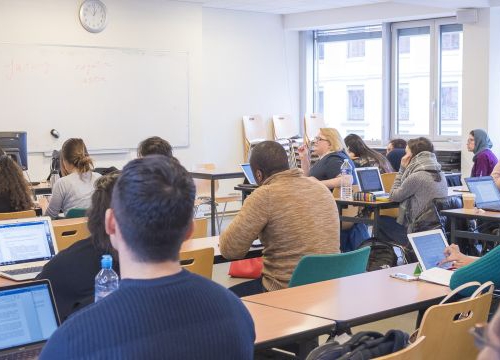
219, 222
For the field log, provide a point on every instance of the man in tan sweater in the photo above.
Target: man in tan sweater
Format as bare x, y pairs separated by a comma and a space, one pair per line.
293, 216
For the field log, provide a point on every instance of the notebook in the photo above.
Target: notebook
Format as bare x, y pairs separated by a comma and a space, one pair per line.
486, 191
28, 317
25, 246
247, 170
369, 180
429, 247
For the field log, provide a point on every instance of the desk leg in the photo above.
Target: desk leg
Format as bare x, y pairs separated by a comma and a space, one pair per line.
376, 216
339, 208
453, 228
213, 208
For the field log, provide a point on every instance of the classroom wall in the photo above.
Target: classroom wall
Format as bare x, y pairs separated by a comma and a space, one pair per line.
240, 63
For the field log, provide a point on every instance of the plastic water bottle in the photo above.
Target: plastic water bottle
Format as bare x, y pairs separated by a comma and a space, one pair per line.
346, 181
106, 280
54, 176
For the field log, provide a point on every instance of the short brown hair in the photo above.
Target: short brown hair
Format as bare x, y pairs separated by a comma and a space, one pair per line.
154, 145
74, 152
420, 144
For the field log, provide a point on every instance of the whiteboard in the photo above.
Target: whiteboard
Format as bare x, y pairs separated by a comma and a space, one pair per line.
113, 98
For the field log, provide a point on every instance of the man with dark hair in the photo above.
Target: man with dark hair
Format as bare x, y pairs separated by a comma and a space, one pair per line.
160, 310
154, 145
293, 216
395, 152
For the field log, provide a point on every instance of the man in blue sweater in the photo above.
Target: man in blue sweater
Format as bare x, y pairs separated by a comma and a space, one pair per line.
160, 311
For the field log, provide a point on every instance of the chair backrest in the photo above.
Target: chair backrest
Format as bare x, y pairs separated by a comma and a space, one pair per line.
414, 351
312, 123
76, 213
202, 185
388, 180
200, 228
314, 268
284, 127
199, 261
447, 321
254, 128
17, 215
448, 203
67, 235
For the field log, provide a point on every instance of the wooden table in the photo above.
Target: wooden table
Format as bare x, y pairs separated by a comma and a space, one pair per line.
42, 189
276, 327
214, 175
374, 207
357, 299
478, 214
213, 241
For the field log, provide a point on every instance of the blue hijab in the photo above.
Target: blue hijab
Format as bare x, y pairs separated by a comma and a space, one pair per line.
481, 142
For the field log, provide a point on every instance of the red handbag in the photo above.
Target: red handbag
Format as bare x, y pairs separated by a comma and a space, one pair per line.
247, 268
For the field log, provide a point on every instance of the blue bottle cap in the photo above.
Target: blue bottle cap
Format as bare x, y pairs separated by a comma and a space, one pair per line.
106, 262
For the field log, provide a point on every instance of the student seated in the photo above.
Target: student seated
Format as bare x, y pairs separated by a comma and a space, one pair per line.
363, 156
154, 145
484, 160
417, 183
75, 188
73, 270
160, 311
330, 148
291, 214
15, 194
395, 152
495, 174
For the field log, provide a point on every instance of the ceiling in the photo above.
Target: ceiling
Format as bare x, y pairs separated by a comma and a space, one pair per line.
297, 6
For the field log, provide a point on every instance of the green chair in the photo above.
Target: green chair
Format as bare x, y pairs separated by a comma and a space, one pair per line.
76, 213
314, 268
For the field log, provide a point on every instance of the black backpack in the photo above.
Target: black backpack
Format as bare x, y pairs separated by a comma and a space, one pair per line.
382, 254
362, 346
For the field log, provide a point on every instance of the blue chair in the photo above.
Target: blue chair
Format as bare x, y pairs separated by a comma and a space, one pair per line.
315, 268
76, 213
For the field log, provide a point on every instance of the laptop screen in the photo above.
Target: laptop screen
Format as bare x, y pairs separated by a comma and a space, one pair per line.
369, 179
247, 170
25, 241
429, 247
485, 190
27, 315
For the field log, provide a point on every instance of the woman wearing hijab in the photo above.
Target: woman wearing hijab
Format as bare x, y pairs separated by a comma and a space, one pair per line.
484, 160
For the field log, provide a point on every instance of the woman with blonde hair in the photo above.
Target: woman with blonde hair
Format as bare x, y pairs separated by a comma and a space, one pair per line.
75, 188
14, 191
330, 148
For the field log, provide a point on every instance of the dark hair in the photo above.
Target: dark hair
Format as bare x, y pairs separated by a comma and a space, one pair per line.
398, 143
358, 147
153, 202
101, 201
154, 145
420, 144
75, 152
13, 185
269, 157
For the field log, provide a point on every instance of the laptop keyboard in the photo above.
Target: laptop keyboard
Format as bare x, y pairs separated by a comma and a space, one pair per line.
29, 270
25, 354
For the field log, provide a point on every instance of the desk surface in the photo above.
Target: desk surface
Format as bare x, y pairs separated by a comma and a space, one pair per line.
216, 174
274, 326
472, 214
368, 204
357, 299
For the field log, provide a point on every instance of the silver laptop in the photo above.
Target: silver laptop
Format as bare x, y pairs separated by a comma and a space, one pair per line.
486, 191
25, 246
369, 180
429, 247
247, 170
28, 317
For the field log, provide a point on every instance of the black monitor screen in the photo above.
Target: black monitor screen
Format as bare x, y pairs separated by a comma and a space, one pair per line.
14, 144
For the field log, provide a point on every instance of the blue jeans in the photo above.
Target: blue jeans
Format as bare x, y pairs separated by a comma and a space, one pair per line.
248, 288
390, 230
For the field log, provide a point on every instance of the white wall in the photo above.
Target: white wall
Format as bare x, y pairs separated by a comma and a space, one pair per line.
239, 63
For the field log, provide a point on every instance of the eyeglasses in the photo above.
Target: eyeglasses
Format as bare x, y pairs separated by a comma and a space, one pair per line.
481, 339
318, 139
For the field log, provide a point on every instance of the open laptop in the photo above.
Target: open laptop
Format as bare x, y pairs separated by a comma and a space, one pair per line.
247, 170
25, 246
486, 191
369, 180
429, 247
28, 317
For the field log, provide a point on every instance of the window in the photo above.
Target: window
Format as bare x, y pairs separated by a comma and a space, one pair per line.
403, 102
355, 48
404, 45
450, 41
349, 93
356, 110
321, 52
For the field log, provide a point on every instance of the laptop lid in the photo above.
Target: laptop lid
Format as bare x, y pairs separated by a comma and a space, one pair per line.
485, 189
248, 173
369, 180
429, 247
24, 241
28, 314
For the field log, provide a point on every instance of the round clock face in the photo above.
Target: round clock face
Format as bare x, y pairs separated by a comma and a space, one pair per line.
93, 15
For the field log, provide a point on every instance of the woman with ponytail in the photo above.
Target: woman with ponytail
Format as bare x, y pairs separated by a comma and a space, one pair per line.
75, 188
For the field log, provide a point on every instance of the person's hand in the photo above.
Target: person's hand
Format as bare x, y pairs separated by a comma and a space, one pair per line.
455, 257
405, 160
303, 152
